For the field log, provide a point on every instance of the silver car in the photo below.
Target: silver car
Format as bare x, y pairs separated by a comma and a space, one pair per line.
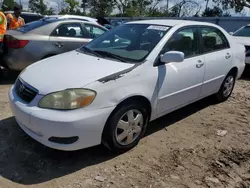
45, 38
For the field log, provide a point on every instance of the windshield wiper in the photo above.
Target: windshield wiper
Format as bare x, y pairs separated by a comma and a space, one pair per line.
110, 55
88, 50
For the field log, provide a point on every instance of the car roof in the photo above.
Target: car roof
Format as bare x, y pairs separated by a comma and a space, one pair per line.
169, 22
69, 20
73, 17
27, 13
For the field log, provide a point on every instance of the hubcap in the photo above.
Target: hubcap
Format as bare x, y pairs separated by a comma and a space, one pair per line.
228, 86
129, 127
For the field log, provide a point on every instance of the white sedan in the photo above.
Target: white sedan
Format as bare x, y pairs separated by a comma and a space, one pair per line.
108, 90
242, 36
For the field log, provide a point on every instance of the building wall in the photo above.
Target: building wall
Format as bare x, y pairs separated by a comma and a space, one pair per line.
230, 24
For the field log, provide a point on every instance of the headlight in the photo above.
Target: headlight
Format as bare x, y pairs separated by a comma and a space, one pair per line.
68, 99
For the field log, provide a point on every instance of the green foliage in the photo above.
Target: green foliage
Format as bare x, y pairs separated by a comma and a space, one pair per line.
8, 5
215, 11
135, 8
39, 6
73, 4
237, 5
100, 7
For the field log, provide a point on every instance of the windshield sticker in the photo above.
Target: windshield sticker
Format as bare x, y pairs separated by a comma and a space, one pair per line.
157, 27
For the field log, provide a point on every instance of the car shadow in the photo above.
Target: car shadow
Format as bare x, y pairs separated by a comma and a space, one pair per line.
246, 73
8, 77
25, 161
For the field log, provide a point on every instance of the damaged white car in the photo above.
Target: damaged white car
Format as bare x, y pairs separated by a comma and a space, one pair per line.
108, 90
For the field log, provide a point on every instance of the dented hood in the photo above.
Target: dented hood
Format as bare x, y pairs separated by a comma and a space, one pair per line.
69, 70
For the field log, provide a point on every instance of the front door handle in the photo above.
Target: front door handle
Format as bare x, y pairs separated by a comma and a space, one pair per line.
228, 56
59, 44
199, 64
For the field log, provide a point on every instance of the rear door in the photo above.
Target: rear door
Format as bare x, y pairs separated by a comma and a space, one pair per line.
68, 36
218, 57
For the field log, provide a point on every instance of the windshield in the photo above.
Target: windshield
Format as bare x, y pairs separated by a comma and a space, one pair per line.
130, 42
243, 32
35, 24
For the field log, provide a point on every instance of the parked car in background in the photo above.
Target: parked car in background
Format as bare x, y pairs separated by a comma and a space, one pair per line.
108, 90
75, 17
28, 16
242, 36
45, 38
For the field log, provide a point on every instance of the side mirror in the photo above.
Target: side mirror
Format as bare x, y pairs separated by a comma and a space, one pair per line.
231, 33
172, 56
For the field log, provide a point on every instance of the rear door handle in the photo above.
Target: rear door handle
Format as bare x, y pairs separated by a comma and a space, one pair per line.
199, 64
228, 56
59, 44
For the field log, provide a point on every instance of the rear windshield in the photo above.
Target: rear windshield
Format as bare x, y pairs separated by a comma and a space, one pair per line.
30, 18
36, 24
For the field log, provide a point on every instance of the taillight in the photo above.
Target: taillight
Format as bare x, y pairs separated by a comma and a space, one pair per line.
14, 43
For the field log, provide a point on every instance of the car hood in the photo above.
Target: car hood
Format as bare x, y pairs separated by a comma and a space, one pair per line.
242, 40
69, 70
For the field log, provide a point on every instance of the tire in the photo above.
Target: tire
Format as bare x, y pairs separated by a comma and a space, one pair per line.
228, 84
114, 132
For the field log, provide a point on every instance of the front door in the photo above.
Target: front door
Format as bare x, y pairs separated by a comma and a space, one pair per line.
180, 83
67, 37
218, 57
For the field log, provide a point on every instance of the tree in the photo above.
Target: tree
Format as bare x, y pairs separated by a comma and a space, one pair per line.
184, 8
84, 6
38, 6
50, 11
100, 7
215, 11
8, 5
73, 4
137, 7
237, 5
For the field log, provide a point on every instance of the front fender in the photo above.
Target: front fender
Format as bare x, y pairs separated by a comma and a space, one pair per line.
135, 83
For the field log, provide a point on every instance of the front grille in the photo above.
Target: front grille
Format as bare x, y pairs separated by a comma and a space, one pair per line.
25, 93
247, 51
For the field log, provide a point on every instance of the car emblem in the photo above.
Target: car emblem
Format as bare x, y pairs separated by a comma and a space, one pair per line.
21, 88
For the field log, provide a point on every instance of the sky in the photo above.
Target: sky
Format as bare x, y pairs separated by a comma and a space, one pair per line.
55, 3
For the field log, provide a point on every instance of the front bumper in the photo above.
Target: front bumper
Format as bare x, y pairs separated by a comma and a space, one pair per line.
42, 124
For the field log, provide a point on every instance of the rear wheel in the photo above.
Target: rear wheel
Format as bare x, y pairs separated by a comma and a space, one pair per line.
125, 127
226, 88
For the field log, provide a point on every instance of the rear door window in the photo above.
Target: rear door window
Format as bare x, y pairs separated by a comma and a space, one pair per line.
73, 30
213, 40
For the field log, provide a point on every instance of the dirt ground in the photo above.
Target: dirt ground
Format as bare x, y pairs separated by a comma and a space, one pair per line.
202, 145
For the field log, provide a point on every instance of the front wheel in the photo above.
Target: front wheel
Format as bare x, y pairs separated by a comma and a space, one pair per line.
125, 127
226, 88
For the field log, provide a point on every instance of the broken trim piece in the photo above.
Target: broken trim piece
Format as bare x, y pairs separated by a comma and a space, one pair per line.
118, 75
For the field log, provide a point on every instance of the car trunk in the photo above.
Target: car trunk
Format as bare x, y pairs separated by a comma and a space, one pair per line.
12, 40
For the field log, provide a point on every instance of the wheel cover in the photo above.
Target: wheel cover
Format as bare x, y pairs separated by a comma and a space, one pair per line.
129, 127
228, 86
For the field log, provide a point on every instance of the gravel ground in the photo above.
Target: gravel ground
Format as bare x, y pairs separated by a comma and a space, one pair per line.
202, 145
